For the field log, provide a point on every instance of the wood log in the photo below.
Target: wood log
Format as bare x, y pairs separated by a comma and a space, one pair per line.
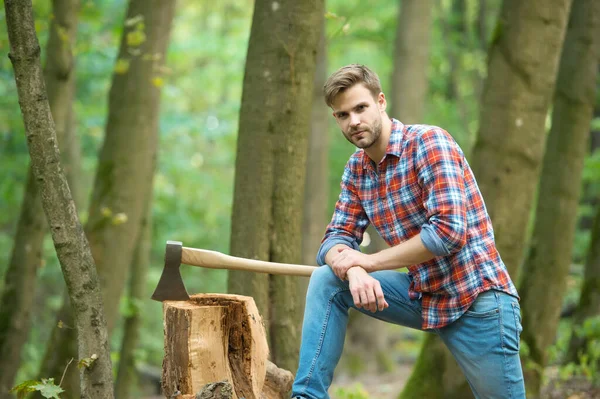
278, 383
214, 337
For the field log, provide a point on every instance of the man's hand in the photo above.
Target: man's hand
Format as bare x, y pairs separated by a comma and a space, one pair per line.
347, 258
366, 291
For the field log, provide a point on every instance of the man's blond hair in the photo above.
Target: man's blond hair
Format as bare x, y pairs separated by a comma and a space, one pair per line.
348, 76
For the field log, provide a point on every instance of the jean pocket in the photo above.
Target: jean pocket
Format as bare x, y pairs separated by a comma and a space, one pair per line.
486, 305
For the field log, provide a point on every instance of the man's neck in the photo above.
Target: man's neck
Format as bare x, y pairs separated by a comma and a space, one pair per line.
377, 151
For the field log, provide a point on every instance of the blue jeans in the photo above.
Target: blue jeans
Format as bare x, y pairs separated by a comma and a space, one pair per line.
484, 341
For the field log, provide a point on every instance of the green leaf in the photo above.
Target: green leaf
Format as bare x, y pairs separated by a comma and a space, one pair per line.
87, 361
48, 389
134, 21
136, 38
24, 388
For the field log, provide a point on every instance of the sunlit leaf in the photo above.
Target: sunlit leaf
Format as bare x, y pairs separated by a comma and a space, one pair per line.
119, 218
48, 389
136, 38
24, 388
63, 34
134, 20
87, 361
158, 81
121, 66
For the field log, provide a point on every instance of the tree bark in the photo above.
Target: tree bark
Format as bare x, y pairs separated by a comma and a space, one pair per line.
411, 61
127, 375
316, 189
589, 302
545, 271
270, 164
127, 160
26, 257
523, 61
69, 239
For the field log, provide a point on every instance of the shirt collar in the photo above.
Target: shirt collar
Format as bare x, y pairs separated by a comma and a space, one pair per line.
394, 146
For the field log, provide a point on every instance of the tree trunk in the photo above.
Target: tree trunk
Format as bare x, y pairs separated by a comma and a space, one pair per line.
70, 242
126, 377
316, 189
411, 61
127, 160
270, 165
545, 272
589, 302
523, 61
26, 257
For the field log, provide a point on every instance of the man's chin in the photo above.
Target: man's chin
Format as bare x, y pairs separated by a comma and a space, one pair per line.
363, 143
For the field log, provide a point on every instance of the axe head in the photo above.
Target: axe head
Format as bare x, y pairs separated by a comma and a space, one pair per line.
170, 286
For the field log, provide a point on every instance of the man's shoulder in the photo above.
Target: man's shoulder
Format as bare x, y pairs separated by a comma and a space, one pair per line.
417, 131
356, 160
428, 134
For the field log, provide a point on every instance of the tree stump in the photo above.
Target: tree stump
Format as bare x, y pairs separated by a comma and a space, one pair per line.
210, 338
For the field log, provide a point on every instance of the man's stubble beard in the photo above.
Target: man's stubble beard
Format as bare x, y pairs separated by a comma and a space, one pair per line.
375, 131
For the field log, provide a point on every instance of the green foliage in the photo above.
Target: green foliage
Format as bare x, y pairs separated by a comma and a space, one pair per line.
201, 95
588, 365
356, 391
45, 387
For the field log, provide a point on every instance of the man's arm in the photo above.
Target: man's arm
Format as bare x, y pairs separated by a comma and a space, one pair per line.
349, 219
411, 252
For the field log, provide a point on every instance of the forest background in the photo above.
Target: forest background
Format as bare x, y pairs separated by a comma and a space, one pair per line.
444, 47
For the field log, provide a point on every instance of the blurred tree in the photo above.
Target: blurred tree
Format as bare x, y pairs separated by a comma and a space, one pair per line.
547, 266
126, 163
589, 302
126, 383
316, 189
366, 351
510, 143
411, 60
511, 140
270, 164
72, 248
20, 279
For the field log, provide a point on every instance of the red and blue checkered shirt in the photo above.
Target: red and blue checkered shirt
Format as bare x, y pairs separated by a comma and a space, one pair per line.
423, 184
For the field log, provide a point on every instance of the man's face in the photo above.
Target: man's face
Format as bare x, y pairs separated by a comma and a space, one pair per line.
358, 114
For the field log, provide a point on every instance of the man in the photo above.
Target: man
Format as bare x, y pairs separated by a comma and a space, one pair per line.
415, 186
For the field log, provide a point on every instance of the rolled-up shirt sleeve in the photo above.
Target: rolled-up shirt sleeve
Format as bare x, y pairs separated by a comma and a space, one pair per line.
349, 219
439, 163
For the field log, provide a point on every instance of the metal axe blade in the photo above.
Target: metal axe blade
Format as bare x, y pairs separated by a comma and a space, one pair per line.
170, 286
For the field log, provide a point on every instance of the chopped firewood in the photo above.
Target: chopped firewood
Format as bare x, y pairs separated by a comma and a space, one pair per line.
214, 337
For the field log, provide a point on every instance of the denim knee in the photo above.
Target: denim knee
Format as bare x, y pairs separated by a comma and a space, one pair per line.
324, 281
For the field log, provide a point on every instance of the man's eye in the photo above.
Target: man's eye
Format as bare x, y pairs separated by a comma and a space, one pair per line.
361, 107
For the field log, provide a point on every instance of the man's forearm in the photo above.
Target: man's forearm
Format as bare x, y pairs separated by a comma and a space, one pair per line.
333, 251
411, 252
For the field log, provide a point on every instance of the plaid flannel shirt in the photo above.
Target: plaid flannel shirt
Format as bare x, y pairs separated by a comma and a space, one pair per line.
423, 185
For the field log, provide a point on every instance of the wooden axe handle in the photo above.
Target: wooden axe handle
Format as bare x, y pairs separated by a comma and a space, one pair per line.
217, 260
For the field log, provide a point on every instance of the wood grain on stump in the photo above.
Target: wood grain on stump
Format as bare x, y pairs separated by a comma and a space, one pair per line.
211, 338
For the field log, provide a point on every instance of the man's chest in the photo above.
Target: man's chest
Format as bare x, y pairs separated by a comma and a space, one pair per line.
392, 198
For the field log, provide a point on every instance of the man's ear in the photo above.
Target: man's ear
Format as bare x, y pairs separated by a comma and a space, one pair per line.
381, 101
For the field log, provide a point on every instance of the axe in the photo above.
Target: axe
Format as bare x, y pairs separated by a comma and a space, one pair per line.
171, 288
